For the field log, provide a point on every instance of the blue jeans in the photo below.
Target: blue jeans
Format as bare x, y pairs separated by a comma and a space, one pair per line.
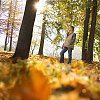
69, 54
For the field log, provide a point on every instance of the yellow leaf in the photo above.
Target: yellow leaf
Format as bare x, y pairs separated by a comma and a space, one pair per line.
34, 87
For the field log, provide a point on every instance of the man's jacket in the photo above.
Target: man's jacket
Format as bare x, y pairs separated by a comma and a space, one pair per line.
70, 40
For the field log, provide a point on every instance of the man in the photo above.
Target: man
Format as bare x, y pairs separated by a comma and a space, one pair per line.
68, 45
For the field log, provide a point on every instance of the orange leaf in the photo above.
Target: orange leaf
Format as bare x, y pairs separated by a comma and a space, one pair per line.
36, 87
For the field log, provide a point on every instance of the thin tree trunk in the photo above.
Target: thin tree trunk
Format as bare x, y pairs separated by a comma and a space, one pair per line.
5, 46
12, 28
42, 38
10, 47
85, 35
25, 34
8, 22
92, 32
33, 48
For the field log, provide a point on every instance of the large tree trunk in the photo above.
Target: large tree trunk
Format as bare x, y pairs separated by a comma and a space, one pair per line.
42, 38
25, 34
85, 35
92, 32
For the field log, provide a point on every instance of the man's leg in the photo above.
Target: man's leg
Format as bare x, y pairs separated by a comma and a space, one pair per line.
62, 54
69, 55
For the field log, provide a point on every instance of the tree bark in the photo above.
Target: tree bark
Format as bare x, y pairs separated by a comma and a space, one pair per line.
85, 35
42, 38
25, 34
92, 32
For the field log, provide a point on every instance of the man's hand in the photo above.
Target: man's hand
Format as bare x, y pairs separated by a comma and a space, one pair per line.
73, 39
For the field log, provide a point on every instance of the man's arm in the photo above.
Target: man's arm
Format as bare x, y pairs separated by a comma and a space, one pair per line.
73, 38
64, 41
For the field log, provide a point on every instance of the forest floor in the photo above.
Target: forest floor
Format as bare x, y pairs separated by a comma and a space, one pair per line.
44, 78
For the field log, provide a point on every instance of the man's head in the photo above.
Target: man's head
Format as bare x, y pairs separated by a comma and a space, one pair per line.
70, 29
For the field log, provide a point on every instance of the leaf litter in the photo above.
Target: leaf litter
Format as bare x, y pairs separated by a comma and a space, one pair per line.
44, 78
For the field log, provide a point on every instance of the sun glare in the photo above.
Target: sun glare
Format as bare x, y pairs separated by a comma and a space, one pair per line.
40, 5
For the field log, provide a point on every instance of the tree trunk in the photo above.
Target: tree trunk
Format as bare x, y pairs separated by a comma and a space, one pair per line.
42, 38
33, 48
0, 4
85, 35
10, 47
25, 34
5, 46
8, 22
12, 28
92, 32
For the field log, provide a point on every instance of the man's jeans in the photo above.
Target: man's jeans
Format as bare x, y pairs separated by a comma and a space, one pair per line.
69, 54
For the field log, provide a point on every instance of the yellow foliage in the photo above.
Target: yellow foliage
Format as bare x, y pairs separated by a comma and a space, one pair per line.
34, 87
76, 71
55, 85
47, 74
40, 85
78, 63
41, 67
64, 79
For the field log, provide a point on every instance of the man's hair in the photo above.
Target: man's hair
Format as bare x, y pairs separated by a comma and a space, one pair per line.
72, 27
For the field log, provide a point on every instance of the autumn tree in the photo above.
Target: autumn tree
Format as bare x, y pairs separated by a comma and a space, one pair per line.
25, 34
92, 33
12, 26
34, 44
62, 14
73, 13
42, 36
10, 21
86, 27
8, 25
